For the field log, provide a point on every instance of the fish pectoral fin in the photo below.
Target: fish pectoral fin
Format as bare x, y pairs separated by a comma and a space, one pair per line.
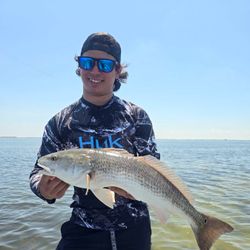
106, 196
161, 214
87, 183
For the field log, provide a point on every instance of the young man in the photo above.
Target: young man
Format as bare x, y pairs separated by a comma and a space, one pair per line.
99, 119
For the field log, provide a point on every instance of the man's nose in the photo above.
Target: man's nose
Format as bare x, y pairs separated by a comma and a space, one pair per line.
95, 69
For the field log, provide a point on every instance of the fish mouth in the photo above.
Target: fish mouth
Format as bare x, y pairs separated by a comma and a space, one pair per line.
46, 169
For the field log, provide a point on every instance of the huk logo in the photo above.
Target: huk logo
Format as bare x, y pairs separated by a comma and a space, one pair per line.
95, 143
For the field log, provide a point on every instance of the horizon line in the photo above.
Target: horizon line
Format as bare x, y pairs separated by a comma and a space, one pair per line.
208, 139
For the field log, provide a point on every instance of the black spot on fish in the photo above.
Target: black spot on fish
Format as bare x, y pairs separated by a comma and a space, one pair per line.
53, 158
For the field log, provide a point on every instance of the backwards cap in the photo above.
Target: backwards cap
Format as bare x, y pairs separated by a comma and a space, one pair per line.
104, 42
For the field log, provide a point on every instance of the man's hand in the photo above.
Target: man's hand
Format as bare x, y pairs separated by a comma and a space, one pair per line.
51, 187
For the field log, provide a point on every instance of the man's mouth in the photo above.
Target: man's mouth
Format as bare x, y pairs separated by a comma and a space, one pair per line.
93, 80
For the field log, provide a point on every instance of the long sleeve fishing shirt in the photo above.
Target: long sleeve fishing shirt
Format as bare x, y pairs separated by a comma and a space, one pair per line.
117, 124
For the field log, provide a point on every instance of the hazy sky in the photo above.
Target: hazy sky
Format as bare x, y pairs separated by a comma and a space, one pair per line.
188, 62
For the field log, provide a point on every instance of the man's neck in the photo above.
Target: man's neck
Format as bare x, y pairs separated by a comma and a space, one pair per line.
97, 100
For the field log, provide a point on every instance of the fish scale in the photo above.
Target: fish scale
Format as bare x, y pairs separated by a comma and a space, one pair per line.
145, 178
144, 175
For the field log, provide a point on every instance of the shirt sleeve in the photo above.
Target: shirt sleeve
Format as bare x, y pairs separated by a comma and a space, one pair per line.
144, 142
50, 143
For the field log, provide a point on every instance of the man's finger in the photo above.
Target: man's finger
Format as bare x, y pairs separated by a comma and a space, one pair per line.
62, 191
57, 186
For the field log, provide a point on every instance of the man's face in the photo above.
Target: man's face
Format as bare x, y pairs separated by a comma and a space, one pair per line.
95, 82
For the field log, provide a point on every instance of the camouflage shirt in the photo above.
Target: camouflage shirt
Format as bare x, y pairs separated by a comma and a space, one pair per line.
117, 124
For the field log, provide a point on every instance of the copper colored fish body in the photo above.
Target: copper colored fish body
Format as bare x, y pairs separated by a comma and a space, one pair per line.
145, 178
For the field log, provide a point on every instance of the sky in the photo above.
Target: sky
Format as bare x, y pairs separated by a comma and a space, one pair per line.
188, 62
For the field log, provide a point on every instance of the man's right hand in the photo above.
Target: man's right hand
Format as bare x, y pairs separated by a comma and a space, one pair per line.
51, 187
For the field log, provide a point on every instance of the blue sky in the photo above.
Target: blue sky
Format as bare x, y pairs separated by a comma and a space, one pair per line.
189, 62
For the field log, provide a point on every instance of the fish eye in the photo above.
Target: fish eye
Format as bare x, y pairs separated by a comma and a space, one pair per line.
53, 158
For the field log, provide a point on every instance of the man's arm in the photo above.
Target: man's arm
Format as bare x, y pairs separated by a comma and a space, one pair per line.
144, 142
46, 187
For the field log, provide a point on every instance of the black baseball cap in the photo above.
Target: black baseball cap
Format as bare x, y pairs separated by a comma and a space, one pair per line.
104, 42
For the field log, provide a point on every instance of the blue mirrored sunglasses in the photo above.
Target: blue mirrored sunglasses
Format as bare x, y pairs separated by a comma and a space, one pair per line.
88, 63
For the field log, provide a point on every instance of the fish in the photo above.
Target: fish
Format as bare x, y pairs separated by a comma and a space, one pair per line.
144, 177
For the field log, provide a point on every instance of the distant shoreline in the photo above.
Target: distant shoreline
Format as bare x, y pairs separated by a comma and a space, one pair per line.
8, 137
157, 139
18, 137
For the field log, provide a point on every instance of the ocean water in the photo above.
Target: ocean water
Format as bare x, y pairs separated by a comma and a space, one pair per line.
216, 171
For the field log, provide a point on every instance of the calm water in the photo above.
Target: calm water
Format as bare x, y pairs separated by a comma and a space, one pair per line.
217, 172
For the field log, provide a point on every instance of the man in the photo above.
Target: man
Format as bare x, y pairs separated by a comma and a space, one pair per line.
99, 119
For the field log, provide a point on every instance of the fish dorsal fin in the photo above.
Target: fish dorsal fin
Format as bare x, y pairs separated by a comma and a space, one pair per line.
168, 173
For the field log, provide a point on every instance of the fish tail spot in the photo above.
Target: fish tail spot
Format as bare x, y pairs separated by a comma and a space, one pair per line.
207, 233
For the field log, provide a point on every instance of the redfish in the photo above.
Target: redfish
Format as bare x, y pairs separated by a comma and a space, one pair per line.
145, 178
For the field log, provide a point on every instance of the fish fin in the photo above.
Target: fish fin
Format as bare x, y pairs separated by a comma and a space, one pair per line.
87, 183
161, 214
168, 173
106, 196
209, 231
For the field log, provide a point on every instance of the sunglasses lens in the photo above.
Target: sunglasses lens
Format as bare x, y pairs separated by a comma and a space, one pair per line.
106, 65
86, 63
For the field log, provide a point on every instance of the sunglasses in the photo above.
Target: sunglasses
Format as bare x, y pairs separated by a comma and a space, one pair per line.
88, 63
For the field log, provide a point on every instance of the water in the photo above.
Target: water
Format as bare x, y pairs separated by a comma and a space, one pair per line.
217, 172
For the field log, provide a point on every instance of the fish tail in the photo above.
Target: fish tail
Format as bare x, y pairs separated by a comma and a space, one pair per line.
209, 231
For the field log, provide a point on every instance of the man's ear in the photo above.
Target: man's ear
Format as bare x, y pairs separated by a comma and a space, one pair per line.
118, 71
